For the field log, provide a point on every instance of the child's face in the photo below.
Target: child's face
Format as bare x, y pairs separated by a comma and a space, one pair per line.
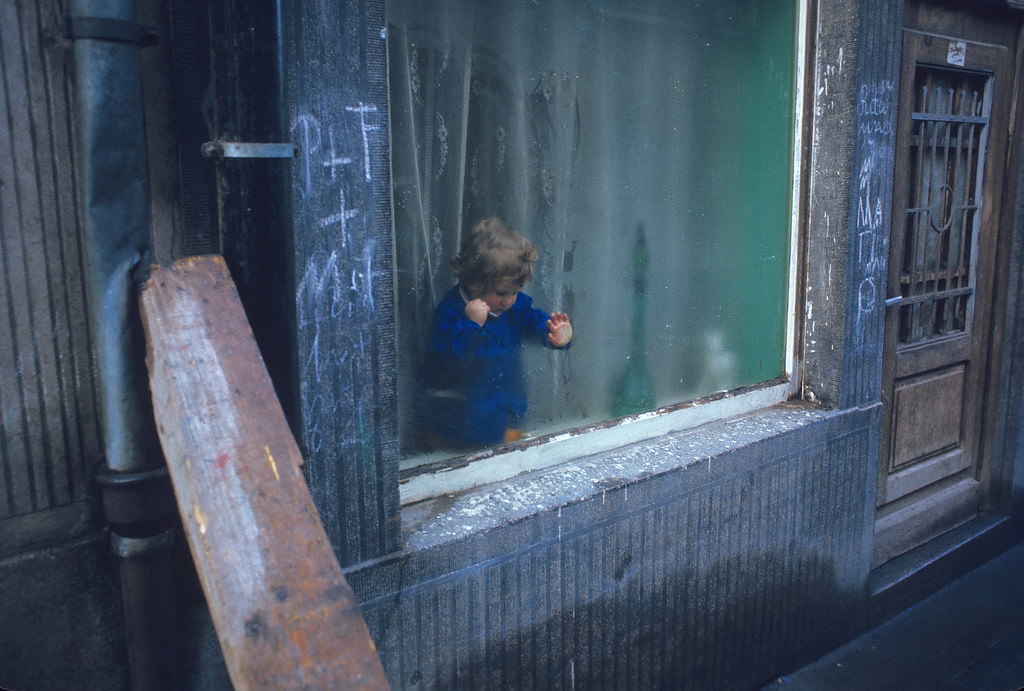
502, 295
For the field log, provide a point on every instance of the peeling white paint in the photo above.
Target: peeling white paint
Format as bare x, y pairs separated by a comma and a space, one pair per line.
565, 447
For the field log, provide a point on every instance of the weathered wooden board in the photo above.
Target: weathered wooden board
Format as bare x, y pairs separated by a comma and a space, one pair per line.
285, 616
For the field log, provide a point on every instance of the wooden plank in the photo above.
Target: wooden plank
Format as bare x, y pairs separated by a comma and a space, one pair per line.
285, 616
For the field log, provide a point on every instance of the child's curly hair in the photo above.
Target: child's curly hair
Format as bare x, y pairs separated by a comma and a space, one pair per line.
494, 253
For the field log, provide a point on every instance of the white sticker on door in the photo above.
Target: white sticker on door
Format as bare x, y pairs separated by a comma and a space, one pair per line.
957, 53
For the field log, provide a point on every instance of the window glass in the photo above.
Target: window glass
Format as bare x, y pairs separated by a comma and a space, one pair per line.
644, 148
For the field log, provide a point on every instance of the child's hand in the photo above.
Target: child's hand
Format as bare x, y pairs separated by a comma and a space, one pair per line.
559, 329
477, 311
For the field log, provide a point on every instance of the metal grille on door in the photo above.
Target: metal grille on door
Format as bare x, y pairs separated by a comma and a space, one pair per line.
950, 124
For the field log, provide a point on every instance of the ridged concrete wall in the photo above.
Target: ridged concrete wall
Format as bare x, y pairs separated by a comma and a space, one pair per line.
50, 444
717, 574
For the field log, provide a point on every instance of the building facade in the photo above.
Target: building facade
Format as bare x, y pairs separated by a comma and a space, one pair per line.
803, 219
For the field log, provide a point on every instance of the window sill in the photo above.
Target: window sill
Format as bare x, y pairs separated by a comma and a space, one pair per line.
459, 514
501, 463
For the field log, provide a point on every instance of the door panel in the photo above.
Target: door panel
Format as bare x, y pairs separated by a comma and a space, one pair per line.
902, 482
912, 360
911, 524
951, 133
927, 433
927, 412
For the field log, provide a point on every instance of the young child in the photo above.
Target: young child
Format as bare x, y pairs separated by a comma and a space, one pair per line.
471, 384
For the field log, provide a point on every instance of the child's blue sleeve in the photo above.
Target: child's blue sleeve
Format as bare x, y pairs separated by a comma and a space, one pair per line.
455, 334
535, 321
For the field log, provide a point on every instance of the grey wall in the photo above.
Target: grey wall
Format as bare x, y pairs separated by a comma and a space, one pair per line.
343, 335
715, 559
50, 445
61, 621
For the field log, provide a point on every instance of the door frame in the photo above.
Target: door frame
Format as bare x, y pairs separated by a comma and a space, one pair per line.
1001, 175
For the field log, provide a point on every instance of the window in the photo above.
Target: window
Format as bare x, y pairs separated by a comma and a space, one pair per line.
647, 149
936, 278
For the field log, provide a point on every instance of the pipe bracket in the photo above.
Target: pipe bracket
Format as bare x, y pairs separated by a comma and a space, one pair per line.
222, 149
139, 547
131, 500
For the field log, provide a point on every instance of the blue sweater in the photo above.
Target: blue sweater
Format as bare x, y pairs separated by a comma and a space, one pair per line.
471, 382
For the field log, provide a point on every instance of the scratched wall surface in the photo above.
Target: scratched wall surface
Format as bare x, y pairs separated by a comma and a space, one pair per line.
337, 101
833, 101
855, 92
718, 574
50, 444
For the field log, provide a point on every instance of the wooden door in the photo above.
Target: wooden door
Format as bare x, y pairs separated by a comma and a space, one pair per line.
955, 93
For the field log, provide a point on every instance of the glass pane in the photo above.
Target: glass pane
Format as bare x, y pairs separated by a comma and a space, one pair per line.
644, 148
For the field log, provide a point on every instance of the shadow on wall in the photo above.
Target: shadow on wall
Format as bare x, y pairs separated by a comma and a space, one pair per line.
61, 622
733, 625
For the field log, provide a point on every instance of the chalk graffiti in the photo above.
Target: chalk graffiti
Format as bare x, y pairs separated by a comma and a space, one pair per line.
874, 109
366, 129
868, 217
341, 217
333, 160
876, 132
830, 71
334, 299
866, 296
328, 293
306, 132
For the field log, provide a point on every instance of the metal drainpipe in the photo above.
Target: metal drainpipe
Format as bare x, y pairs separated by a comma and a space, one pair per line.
137, 502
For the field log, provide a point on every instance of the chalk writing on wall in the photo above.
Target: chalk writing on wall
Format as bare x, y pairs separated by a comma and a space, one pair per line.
874, 109
365, 128
306, 133
876, 135
334, 299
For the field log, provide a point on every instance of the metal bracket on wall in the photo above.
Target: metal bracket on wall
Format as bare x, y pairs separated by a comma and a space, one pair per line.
222, 149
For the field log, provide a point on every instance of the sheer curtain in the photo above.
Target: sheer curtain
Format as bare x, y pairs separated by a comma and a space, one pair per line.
595, 126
